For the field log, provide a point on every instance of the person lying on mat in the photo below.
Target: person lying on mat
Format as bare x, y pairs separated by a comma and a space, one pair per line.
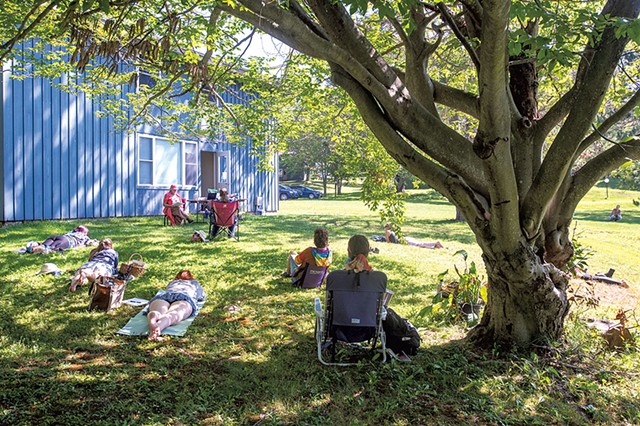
225, 197
320, 255
177, 303
79, 237
391, 237
103, 261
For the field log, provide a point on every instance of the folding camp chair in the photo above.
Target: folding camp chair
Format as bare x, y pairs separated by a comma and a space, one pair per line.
309, 276
168, 217
224, 216
353, 314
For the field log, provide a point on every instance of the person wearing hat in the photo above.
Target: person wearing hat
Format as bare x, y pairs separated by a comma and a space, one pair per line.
49, 268
103, 261
174, 207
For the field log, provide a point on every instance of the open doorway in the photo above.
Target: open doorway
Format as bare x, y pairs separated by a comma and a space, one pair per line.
215, 172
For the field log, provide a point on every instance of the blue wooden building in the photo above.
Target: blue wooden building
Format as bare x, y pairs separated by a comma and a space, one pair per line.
62, 161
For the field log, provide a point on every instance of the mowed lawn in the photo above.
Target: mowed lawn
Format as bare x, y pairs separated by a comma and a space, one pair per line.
249, 357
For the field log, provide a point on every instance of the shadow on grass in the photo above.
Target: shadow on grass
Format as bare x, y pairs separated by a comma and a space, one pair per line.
249, 357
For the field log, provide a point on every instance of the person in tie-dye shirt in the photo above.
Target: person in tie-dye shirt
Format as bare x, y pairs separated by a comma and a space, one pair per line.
320, 255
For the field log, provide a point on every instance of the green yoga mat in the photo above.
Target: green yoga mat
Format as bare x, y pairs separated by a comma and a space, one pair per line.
138, 325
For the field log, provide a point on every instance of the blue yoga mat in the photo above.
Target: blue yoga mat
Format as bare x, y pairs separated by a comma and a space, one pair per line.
139, 326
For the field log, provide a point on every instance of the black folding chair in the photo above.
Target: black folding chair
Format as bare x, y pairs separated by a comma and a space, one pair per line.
353, 315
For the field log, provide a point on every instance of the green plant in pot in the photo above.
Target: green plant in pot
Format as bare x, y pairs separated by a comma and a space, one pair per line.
460, 298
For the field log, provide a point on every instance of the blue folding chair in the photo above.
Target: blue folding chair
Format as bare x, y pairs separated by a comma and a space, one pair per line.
353, 315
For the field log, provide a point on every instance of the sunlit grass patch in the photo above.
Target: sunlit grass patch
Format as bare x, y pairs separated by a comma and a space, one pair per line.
250, 355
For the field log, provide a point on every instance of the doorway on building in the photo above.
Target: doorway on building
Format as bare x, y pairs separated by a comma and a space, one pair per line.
215, 171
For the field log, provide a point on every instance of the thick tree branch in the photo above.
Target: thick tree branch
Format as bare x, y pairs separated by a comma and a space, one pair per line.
609, 122
457, 99
493, 141
599, 166
417, 53
443, 181
588, 101
418, 125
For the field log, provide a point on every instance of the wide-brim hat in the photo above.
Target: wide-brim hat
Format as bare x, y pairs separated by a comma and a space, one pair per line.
49, 268
202, 235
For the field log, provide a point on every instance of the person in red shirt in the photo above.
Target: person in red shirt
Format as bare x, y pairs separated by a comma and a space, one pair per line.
173, 205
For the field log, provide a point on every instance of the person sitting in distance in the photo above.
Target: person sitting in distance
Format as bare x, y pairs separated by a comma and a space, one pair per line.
616, 214
177, 303
173, 203
225, 197
320, 255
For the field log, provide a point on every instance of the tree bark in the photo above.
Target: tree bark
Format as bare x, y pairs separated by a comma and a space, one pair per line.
527, 301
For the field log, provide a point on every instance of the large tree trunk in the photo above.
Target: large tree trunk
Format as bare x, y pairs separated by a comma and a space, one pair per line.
527, 301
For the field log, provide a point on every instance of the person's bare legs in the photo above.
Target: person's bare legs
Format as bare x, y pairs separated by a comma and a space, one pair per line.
157, 308
291, 263
162, 315
414, 242
80, 278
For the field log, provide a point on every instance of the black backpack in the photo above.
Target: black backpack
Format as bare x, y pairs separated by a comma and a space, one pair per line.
401, 335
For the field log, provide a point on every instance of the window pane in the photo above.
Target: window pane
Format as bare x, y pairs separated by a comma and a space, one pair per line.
190, 174
190, 153
146, 148
167, 163
146, 173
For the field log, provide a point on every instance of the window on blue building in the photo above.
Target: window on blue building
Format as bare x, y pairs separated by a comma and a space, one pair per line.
164, 163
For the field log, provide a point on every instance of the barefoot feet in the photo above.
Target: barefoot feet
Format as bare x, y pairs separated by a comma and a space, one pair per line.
154, 325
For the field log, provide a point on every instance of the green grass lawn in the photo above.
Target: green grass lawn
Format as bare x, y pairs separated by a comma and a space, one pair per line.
249, 357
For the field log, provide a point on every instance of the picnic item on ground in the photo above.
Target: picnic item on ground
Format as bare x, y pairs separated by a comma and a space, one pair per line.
199, 236
402, 336
106, 293
139, 326
49, 268
133, 266
135, 301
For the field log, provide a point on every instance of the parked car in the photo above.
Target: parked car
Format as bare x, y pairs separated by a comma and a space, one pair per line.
287, 192
307, 192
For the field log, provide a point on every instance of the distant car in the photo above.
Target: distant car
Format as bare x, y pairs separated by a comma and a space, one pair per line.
307, 192
286, 192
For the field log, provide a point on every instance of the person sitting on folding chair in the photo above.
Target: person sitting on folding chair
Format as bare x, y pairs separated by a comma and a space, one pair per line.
225, 197
174, 207
354, 305
320, 255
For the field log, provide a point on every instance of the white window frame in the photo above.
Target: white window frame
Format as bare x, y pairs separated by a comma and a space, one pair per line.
183, 163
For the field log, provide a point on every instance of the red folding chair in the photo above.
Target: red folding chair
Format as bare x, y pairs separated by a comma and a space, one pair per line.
168, 217
224, 216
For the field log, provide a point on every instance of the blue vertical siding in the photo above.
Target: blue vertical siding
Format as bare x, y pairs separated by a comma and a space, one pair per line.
60, 161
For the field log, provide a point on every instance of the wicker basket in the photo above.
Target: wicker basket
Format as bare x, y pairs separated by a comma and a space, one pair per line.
133, 266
